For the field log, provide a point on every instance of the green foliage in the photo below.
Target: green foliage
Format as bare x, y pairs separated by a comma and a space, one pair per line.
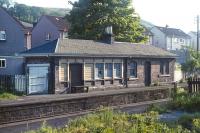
30, 13
7, 96
108, 121
158, 108
192, 65
186, 102
89, 18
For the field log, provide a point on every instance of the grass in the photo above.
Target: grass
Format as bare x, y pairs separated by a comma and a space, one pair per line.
7, 96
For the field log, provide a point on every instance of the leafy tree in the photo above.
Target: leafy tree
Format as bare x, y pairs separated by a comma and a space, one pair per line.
192, 65
89, 18
5, 3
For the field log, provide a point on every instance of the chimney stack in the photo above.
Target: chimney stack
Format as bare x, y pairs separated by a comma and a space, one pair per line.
108, 36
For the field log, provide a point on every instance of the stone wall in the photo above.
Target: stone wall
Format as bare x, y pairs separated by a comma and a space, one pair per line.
47, 106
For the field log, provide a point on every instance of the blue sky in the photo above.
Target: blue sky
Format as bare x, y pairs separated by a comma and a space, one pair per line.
175, 13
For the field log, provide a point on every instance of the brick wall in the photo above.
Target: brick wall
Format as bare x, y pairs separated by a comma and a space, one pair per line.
48, 106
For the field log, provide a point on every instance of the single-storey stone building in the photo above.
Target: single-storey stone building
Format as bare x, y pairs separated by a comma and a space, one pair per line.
60, 65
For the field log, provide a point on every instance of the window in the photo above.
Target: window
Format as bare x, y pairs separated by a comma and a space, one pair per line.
108, 70
2, 63
182, 40
48, 36
65, 34
132, 70
63, 72
89, 71
99, 70
2, 35
164, 67
117, 70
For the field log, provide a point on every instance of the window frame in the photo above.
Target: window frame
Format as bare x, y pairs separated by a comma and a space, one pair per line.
115, 71
164, 68
134, 68
97, 66
2, 63
47, 36
108, 72
2, 34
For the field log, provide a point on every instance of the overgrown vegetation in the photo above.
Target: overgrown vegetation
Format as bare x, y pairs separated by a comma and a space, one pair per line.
108, 121
7, 96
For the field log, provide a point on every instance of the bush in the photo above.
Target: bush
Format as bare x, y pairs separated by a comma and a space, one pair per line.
108, 121
7, 96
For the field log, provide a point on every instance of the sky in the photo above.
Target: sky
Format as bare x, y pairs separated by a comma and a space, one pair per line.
179, 14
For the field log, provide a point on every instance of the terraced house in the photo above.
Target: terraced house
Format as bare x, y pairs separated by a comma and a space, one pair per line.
15, 37
70, 64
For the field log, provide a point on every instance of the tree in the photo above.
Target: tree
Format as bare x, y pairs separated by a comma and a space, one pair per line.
192, 65
89, 18
5, 3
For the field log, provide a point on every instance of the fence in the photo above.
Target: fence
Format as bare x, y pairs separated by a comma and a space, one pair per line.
13, 83
194, 85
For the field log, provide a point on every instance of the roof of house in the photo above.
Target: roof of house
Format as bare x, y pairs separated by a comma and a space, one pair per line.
59, 22
89, 48
173, 32
26, 27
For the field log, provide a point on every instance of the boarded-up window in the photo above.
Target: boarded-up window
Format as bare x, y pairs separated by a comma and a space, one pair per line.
63, 73
89, 71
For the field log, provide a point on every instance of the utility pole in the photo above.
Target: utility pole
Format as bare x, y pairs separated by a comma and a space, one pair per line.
197, 33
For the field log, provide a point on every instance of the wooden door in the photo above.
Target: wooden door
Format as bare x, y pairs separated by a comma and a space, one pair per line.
76, 74
147, 73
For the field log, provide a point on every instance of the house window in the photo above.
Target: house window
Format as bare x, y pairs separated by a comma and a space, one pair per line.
63, 72
65, 34
182, 41
132, 70
108, 70
2, 35
2, 63
117, 70
99, 70
164, 67
48, 36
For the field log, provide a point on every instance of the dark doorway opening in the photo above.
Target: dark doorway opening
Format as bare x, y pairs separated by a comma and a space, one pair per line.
76, 74
147, 73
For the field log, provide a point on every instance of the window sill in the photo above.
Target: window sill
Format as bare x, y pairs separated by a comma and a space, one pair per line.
117, 78
164, 75
132, 79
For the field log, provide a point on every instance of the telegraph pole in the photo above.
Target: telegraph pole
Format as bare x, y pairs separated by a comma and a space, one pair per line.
197, 33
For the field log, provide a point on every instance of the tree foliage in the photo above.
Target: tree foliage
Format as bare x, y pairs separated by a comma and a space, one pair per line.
90, 17
192, 65
29, 13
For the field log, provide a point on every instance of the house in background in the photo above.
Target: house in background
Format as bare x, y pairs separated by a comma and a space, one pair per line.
64, 64
49, 28
149, 36
15, 37
193, 36
170, 38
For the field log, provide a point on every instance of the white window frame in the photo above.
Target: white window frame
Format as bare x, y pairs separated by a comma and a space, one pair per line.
48, 36
2, 35
108, 70
2, 63
97, 71
116, 70
133, 68
65, 35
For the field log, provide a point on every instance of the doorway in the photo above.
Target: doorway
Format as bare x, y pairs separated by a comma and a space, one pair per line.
147, 73
76, 74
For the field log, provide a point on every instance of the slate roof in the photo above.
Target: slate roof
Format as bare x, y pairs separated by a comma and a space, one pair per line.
59, 22
89, 48
47, 48
173, 32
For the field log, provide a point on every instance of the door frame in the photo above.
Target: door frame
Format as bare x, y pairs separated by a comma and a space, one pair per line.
147, 73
